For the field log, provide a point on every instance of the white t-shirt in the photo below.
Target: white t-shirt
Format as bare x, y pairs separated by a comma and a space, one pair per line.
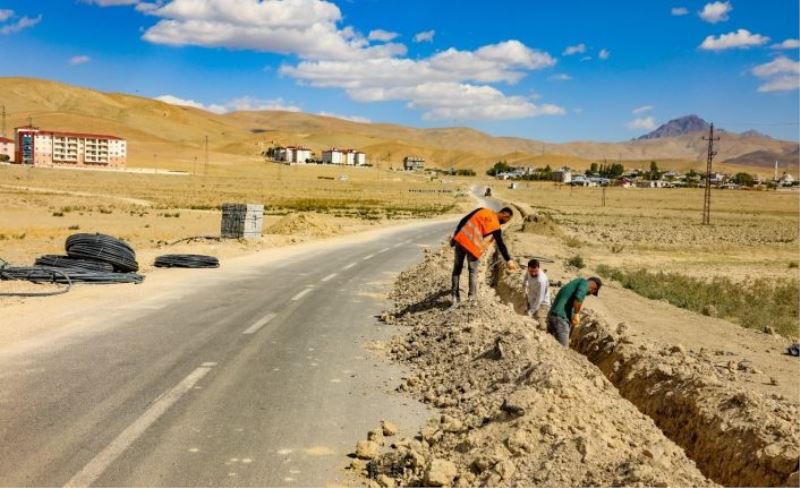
538, 290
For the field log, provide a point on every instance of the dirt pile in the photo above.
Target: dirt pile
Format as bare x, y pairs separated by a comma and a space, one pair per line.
736, 436
303, 224
516, 408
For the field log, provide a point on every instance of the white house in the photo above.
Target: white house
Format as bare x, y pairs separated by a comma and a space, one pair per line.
291, 154
563, 175
349, 157
333, 156
413, 163
360, 158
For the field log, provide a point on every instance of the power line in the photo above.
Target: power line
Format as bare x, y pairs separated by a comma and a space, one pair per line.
707, 195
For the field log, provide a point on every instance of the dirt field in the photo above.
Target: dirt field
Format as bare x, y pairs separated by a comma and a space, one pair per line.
41, 207
751, 234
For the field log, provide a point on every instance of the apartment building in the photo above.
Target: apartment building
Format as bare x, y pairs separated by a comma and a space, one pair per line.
56, 148
6, 149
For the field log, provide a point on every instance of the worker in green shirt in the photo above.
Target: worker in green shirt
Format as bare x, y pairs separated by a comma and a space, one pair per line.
563, 315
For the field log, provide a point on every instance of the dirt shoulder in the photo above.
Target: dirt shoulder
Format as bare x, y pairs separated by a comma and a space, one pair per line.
91, 306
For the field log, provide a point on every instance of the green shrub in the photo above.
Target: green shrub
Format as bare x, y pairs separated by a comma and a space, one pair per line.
753, 303
576, 262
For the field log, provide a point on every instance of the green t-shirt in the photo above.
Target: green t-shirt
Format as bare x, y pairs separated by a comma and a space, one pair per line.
575, 290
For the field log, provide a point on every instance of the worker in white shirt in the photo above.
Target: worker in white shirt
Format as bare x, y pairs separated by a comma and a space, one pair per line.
537, 287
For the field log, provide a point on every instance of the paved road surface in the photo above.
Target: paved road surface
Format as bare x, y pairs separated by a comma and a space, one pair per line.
261, 378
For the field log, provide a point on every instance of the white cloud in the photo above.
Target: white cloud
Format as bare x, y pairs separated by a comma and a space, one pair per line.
307, 28
424, 36
20, 25
76, 60
382, 35
787, 44
586, 58
560, 77
678, 11
603, 54
350, 118
340, 57
243, 104
780, 74
579, 48
5, 14
742, 38
642, 123
250, 104
642, 109
716, 12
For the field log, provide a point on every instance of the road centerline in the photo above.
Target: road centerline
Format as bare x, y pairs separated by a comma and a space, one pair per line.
369, 256
95, 468
349, 265
329, 277
302, 293
259, 323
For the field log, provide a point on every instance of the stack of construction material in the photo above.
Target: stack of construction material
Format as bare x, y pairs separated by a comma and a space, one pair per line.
242, 220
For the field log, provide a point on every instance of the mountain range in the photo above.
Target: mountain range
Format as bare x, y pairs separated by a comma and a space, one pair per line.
173, 136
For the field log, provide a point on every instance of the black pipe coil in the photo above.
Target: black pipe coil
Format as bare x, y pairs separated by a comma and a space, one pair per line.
186, 261
43, 274
53, 261
101, 247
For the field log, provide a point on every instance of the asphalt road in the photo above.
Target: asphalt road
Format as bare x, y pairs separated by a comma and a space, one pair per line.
260, 378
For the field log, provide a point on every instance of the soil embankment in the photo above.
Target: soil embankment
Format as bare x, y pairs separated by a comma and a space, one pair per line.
516, 408
737, 435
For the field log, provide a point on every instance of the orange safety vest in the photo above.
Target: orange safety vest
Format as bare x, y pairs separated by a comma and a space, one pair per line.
472, 235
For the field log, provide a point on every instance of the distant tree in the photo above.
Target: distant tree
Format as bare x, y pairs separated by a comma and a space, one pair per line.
4, 158
654, 172
743, 179
465, 172
613, 170
499, 167
593, 169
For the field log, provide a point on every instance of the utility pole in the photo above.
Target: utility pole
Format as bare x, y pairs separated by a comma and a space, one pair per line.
711, 154
604, 196
3, 134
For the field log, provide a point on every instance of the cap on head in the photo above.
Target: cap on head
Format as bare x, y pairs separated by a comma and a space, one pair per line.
598, 282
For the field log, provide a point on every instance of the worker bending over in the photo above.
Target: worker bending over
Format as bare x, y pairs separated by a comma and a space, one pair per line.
473, 236
537, 289
564, 314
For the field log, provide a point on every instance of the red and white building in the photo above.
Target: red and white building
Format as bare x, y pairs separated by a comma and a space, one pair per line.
349, 157
55, 148
6, 148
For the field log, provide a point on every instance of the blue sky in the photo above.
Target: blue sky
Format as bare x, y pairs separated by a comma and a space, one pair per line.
556, 71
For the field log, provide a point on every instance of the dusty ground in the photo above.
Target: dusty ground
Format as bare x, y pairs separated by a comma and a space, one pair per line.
753, 233
516, 409
727, 394
41, 207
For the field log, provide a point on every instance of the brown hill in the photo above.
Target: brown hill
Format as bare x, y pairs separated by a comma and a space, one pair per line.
172, 137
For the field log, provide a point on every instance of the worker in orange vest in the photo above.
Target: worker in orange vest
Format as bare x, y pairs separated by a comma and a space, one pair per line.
473, 236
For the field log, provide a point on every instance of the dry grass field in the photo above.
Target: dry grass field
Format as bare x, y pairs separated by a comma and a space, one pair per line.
41, 207
752, 233
744, 266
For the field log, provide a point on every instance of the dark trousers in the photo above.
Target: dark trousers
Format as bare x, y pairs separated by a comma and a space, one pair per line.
458, 266
559, 328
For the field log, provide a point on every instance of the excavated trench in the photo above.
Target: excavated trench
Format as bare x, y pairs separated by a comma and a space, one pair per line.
736, 437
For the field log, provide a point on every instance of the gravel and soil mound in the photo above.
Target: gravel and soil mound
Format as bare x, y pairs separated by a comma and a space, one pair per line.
515, 407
